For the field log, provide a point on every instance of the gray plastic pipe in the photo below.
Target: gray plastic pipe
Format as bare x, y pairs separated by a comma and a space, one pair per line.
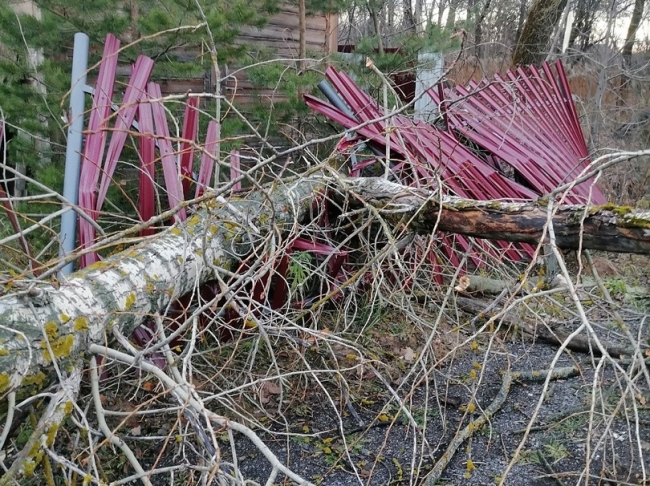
334, 98
73, 148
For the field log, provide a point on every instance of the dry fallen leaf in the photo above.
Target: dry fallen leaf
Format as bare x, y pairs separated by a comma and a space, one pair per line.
408, 355
267, 389
463, 284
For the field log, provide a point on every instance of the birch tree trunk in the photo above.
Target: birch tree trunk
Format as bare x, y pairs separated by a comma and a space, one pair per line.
42, 324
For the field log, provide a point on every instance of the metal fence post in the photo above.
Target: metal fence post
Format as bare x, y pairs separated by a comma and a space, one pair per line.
73, 148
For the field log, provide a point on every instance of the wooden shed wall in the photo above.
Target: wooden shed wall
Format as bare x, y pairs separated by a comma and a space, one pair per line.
280, 35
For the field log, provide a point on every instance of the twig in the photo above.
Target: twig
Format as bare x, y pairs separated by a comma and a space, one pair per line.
557, 373
51, 417
11, 407
549, 468
103, 426
181, 392
434, 475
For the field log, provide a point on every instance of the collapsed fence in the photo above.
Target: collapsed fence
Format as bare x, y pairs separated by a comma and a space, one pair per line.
215, 269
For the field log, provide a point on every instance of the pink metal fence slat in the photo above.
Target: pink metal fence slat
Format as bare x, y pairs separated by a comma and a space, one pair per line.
568, 113
364, 107
521, 112
555, 105
507, 130
558, 101
499, 93
528, 122
349, 92
467, 117
481, 135
540, 110
575, 120
582, 153
124, 118
167, 156
147, 144
450, 146
357, 99
369, 131
188, 135
563, 167
207, 159
95, 144
427, 135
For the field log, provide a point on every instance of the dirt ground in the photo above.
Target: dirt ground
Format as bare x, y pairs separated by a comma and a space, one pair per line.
390, 452
387, 417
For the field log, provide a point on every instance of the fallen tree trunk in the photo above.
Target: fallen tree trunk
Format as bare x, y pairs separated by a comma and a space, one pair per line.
606, 228
43, 323
48, 330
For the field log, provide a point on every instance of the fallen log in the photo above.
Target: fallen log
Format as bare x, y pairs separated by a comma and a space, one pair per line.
607, 227
42, 323
580, 343
48, 329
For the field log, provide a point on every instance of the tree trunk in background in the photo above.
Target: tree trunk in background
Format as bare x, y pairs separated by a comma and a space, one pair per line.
541, 22
374, 16
390, 17
479, 48
583, 24
523, 7
418, 14
409, 19
351, 21
451, 16
555, 48
441, 11
637, 13
302, 40
470, 8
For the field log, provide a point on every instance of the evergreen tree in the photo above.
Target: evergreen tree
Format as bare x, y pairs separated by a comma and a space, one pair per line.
32, 97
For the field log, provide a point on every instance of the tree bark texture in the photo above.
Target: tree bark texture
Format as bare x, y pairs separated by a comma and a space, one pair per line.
302, 40
540, 25
42, 323
373, 11
451, 15
637, 13
409, 18
479, 49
